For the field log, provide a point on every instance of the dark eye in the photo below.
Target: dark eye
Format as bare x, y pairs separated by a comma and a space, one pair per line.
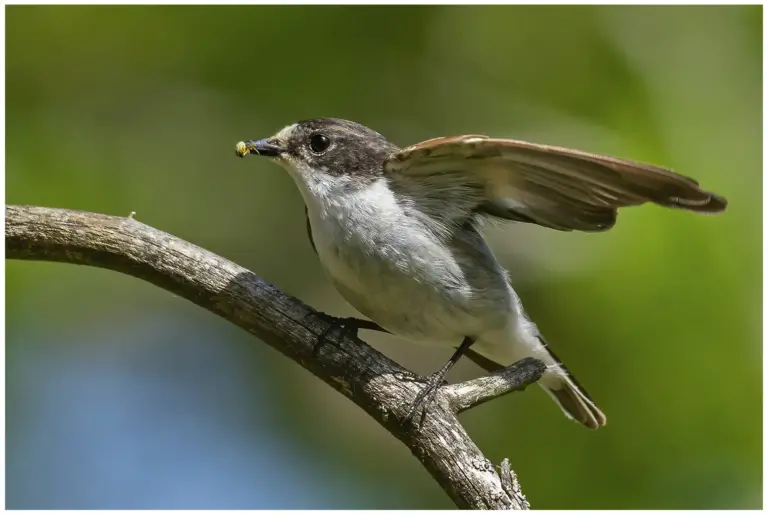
319, 143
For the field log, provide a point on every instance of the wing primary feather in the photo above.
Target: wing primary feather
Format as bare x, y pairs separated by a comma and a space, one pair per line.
555, 187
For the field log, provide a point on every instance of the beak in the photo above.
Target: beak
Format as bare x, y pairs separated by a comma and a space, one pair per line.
263, 147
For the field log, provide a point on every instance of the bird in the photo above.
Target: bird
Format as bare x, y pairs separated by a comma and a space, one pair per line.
399, 233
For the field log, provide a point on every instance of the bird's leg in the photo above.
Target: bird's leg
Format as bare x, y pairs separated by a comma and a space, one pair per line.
347, 326
427, 395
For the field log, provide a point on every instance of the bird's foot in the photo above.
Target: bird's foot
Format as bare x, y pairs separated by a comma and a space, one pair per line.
425, 398
346, 327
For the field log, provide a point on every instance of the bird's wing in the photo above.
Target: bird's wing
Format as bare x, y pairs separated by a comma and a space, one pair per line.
554, 187
309, 229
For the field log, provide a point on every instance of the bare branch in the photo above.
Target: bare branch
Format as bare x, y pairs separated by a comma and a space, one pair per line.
368, 378
477, 391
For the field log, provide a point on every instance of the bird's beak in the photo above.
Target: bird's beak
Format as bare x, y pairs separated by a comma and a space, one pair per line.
263, 147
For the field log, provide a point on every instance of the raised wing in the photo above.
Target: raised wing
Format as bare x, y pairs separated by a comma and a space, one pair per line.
554, 187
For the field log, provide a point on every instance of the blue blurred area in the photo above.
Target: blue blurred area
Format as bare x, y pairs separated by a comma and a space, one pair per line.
153, 417
120, 395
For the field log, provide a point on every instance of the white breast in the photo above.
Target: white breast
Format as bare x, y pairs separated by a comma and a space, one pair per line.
391, 267
366, 240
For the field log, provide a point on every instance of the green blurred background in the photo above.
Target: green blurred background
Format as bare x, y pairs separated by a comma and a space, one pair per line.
120, 395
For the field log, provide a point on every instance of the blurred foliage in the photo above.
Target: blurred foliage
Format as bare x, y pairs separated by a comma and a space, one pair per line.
135, 108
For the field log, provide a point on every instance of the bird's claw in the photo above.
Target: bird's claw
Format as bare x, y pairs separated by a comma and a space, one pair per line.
346, 327
424, 399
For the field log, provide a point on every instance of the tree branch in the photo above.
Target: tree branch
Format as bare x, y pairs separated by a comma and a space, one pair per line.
368, 378
483, 389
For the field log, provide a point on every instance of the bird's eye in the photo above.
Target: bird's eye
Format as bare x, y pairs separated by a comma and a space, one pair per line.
319, 143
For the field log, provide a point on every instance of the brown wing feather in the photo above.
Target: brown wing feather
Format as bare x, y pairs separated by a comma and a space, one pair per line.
555, 187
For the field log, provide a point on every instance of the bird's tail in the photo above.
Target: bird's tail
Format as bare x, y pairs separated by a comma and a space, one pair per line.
574, 401
557, 381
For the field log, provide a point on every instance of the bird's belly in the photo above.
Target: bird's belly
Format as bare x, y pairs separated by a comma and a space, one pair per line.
410, 310
414, 289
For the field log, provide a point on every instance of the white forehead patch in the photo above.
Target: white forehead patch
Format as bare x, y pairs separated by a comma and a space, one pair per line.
285, 134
